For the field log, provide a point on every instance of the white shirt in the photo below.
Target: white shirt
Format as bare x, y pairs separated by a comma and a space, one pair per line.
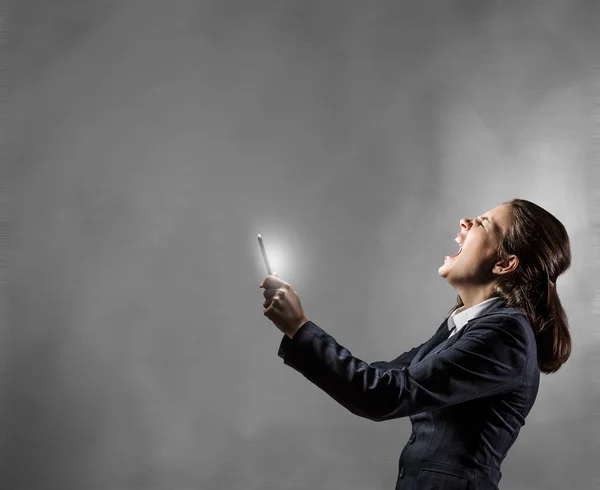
459, 318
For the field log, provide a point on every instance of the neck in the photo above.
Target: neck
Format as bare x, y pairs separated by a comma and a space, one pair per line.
473, 296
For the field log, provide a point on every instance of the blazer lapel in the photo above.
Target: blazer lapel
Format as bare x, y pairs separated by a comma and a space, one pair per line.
445, 343
439, 337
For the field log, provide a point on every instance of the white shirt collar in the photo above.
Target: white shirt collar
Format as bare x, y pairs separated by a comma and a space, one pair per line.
460, 317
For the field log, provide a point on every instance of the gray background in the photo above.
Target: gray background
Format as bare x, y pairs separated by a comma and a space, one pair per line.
150, 141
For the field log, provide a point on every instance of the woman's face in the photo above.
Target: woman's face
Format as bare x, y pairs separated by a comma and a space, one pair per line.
480, 237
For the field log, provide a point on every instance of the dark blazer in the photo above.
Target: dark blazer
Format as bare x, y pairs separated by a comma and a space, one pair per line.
466, 396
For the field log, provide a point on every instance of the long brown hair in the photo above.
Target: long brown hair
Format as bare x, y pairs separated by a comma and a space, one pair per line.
541, 243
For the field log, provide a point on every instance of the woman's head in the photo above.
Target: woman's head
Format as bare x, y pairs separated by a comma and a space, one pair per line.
474, 270
514, 258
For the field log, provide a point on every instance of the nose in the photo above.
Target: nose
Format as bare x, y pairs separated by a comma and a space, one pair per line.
466, 223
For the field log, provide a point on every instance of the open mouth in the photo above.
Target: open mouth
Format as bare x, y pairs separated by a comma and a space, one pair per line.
450, 257
456, 254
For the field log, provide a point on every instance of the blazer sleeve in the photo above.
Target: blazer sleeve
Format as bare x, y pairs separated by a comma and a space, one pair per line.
488, 359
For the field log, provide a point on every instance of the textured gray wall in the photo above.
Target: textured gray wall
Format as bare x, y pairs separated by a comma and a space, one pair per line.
151, 140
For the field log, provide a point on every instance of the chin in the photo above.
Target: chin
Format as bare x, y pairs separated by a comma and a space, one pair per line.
448, 264
443, 271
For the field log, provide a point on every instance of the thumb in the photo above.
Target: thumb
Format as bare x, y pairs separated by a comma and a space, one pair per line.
275, 274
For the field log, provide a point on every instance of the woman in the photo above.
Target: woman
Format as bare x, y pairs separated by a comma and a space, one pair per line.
468, 389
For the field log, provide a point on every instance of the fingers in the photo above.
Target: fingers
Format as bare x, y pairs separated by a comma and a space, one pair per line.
273, 295
269, 309
269, 293
272, 302
273, 282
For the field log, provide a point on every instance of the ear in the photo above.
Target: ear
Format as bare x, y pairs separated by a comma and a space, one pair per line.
506, 265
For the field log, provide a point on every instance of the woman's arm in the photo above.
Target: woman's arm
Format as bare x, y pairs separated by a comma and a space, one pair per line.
489, 358
403, 360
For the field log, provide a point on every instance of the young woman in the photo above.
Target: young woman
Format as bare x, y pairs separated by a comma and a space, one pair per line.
468, 389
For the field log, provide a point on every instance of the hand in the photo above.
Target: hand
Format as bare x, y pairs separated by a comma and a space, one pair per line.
282, 305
